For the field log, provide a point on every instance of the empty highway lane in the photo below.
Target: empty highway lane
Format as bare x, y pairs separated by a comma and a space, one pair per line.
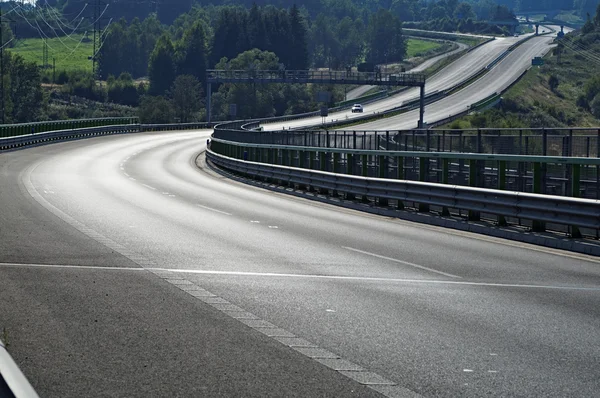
129, 267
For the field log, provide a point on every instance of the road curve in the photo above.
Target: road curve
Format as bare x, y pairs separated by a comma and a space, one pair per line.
361, 90
435, 312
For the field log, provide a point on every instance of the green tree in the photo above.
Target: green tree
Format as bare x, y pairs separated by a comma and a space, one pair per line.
251, 100
298, 47
23, 96
191, 52
553, 82
186, 94
464, 11
385, 40
155, 109
161, 67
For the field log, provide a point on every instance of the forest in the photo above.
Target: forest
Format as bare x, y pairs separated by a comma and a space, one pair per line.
143, 50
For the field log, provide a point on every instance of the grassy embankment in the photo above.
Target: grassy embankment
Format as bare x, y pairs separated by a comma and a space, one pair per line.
531, 102
69, 53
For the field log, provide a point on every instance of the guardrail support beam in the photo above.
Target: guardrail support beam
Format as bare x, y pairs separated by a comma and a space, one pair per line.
421, 106
445, 173
365, 173
537, 226
423, 171
502, 185
473, 164
575, 184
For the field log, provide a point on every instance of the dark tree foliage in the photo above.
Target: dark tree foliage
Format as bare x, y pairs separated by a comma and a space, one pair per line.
386, 43
23, 95
269, 29
127, 48
161, 67
191, 52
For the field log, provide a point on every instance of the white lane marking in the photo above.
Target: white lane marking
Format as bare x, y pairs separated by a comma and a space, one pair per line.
72, 266
132, 179
492, 371
273, 227
401, 262
376, 279
126, 175
467, 370
148, 186
255, 222
215, 210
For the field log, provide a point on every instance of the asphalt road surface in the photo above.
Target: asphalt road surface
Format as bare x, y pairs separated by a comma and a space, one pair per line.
127, 270
457, 72
362, 90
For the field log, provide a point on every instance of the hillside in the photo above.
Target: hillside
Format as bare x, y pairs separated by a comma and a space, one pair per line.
561, 93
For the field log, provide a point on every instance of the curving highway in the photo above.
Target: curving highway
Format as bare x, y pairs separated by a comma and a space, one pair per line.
499, 77
362, 90
130, 268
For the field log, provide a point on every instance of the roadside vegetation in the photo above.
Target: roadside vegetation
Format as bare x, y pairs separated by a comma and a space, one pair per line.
148, 56
565, 91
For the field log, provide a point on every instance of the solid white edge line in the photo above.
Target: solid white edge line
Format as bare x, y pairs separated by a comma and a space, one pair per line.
401, 262
376, 279
71, 266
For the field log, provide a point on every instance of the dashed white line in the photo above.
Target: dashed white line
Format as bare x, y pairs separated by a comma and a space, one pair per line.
255, 221
401, 262
149, 187
215, 210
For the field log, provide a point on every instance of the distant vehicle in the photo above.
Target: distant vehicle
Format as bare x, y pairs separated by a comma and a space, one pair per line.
357, 108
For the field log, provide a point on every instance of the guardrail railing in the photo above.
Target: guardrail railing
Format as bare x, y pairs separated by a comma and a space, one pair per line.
370, 156
13, 382
13, 130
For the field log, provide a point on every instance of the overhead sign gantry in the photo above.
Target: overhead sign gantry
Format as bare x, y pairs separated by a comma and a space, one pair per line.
316, 77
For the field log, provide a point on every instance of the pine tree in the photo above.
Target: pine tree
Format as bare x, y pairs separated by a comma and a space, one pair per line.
298, 37
191, 52
161, 68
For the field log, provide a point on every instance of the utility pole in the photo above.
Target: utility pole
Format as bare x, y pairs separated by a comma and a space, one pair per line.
97, 33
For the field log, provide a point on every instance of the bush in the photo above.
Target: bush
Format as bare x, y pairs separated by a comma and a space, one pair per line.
155, 109
595, 106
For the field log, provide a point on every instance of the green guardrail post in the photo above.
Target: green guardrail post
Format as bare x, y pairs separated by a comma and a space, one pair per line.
365, 173
382, 171
336, 168
502, 186
575, 184
350, 170
323, 167
400, 176
423, 171
473, 215
537, 226
445, 174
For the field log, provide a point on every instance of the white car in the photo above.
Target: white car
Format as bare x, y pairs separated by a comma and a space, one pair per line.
357, 108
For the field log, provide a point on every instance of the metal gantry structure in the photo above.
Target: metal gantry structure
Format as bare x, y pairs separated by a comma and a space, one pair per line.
315, 77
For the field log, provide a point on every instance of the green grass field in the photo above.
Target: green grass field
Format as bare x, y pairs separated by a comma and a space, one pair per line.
417, 48
70, 54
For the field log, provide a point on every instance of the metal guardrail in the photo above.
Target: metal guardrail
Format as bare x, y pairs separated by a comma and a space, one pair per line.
46, 137
540, 208
13, 382
12, 130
